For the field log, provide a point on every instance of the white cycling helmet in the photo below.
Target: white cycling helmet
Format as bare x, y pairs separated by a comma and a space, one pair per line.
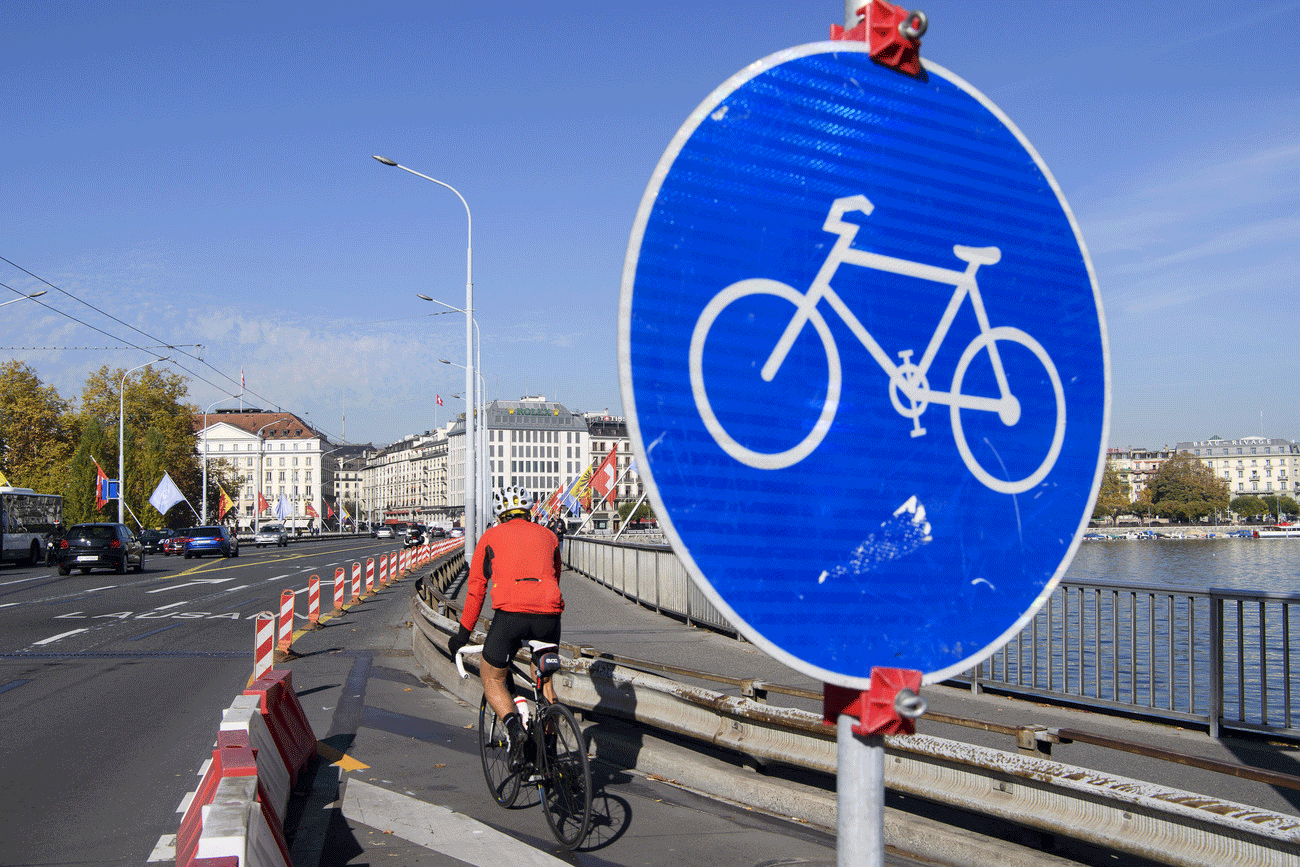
511, 498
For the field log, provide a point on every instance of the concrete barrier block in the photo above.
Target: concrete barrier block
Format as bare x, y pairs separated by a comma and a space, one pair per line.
245, 715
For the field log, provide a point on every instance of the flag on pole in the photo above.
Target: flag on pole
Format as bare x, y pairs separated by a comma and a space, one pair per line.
311, 511
283, 509
343, 513
602, 481
438, 397
224, 503
262, 504
569, 499
165, 495
101, 487
329, 510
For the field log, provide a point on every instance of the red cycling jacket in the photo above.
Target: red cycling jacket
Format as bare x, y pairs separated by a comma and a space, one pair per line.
522, 560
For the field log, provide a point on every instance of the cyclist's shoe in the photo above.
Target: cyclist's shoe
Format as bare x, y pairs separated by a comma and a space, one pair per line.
516, 737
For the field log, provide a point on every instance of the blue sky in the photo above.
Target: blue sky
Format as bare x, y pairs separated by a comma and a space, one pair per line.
201, 172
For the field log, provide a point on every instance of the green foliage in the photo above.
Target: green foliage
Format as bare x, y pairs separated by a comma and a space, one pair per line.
1113, 497
158, 434
643, 512
1248, 506
1184, 489
1280, 506
35, 433
79, 483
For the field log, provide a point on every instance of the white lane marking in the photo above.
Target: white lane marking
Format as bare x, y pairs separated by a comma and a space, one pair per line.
437, 828
97, 589
10, 604
173, 605
61, 635
165, 850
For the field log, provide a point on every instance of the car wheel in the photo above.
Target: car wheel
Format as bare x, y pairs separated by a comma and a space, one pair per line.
84, 570
64, 570
121, 566
187, 555
139, 567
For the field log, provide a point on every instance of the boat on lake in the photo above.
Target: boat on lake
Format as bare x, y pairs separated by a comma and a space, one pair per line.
1280, 531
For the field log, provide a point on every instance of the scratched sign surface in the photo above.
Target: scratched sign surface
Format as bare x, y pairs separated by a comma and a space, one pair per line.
864, 364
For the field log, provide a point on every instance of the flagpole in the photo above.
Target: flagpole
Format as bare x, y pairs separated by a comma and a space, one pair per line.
630, 514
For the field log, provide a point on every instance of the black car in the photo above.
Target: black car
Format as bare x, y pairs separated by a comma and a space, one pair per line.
154, 540
414, 536
99, 546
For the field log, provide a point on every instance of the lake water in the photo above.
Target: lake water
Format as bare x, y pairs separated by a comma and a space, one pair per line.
1263, 565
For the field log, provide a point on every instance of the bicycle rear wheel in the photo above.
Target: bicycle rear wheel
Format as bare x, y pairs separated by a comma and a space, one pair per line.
566, 776
495, 751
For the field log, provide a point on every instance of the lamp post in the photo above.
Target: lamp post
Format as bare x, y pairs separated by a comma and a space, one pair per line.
205, 452
261, 469
480, 434
24, 297
121, 437
470, 483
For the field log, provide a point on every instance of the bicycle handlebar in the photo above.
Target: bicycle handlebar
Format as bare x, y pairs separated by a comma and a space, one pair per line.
460, 658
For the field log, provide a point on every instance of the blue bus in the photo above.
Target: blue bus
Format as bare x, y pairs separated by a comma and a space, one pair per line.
26, 521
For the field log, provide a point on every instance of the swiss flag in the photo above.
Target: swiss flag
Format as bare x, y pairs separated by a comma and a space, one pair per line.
439, 398
602, 481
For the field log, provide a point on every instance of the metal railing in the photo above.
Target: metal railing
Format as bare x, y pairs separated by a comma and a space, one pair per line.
1219, 658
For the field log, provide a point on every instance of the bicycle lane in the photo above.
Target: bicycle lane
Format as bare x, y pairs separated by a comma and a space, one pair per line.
400, 780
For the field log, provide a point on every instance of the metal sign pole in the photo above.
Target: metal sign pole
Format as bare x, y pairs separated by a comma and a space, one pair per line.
860, 797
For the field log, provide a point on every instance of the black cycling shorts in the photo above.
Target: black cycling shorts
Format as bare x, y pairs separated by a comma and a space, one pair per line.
511, 630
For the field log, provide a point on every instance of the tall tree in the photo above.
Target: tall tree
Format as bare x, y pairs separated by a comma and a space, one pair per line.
152, 399
79, 484
1186, 489
35, 430
1113, 498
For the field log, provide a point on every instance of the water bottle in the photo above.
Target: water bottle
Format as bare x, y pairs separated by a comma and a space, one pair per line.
521, 705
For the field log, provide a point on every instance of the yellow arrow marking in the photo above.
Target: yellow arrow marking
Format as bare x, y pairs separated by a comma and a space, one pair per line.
334, 757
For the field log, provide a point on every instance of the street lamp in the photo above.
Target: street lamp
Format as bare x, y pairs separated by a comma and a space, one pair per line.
470, 522
205, 451
480, 434
261, 460
121, 437
24, 298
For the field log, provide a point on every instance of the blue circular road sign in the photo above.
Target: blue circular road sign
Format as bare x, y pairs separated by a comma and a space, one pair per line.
864, 364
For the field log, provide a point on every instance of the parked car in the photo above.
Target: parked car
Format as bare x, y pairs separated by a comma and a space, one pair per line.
99, 546
216, 539
271, 534
175, 543
383, 532
153, 540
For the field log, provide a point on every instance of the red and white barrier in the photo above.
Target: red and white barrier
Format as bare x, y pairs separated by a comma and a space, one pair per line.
285, 719
356, 583
313, 602
230, 816
244, 718
285, 631
339, 583
263, 643
370, 575
383, 570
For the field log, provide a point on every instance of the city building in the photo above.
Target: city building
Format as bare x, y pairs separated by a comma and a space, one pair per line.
276, 456
609, 433
1250, 465
1136, 466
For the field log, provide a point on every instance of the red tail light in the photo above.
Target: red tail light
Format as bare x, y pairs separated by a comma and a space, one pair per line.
63, 546
115, 544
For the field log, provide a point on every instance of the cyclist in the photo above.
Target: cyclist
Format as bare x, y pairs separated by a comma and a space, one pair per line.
521, 560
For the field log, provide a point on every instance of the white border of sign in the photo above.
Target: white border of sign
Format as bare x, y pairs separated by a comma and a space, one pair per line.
629, 398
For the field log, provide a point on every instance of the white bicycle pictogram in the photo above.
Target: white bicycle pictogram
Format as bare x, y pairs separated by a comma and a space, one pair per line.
909, 386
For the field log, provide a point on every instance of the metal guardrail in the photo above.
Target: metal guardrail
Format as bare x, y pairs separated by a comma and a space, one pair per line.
1155, 822
1218, 658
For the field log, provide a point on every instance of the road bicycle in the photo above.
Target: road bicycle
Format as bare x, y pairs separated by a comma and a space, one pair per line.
555, 751
910, 391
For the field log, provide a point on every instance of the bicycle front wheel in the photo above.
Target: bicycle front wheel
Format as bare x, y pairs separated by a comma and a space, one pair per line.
495, 752
566, 776
1022, 448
